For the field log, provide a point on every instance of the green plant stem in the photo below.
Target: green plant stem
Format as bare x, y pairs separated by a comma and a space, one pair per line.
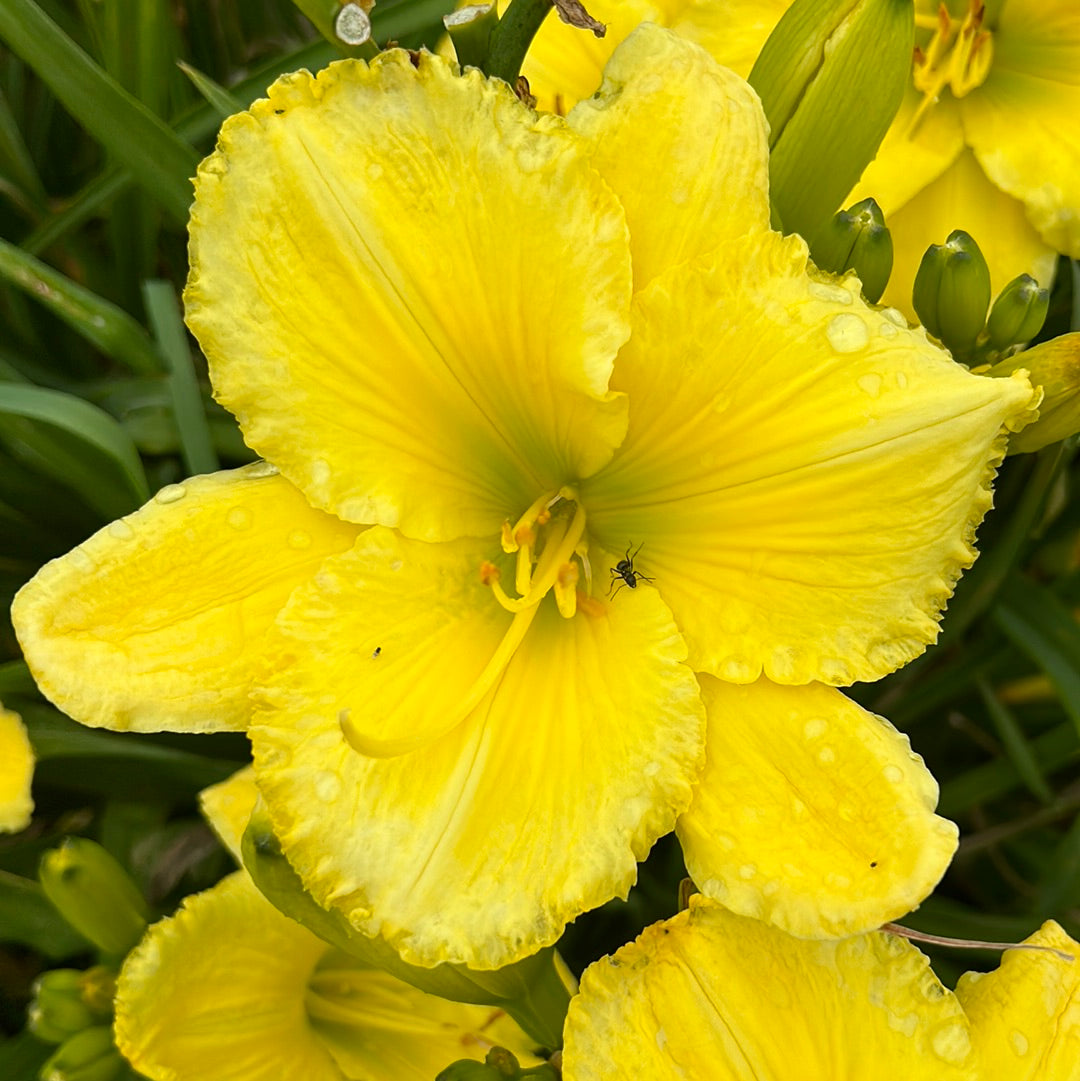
510, 40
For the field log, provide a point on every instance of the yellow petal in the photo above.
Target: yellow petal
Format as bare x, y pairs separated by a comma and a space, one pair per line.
812, 814
155, 621
962, 198
16, 773
665, 100
377, 1027
1022, 127
732, 30
480, 846
911, 156
411, 291
227, 807
710, 995
217, 993
804, 476
1025, 1017
564, 64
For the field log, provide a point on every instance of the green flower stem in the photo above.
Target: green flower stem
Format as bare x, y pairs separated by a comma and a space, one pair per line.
510, 40
542, 1012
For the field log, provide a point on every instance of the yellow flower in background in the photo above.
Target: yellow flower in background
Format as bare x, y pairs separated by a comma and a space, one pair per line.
711, 995
986, 139
502, 376
16, 773
229, 989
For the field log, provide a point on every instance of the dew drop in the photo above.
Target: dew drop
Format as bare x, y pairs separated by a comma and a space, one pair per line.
846, 812
651, 769
894, 774
724, 841
894, 316
888, 330
747, 871
847, 333
239, 518
901, 381
826, 756
374, 171
870, 384
262, 469
327, 787
320, 472
838, 882
815, 728
396, 565
171, 493
299, 539
798, 808
81, 560
737, 670
120, 530
834, 293
951, 1042
1019, 1042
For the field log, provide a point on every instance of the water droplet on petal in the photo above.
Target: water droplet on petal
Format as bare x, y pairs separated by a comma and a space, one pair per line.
82, 560
901, 381
893, 774
374, 171
837, 882
327, 787
826, 756
870, 384
1019, 1042
120, 530
171, 493
262, 469
847, 333
747, 871
724, 841
239, 518
951, 1042
833, 293
887, 330
651, 769
815, 728
299, 539
894, 316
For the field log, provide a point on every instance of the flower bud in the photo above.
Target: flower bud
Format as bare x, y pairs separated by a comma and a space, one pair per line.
89, 1055
831, 77
952, 292
58, 1009
534, 991
1054, 366
1018, 313
857, 239
94, 894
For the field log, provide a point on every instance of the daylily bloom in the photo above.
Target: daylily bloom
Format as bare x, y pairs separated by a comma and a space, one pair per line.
16, 772
589, 494
710, 994
229, 989
984, 141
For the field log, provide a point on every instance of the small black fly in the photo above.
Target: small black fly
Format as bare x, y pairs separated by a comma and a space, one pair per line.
623, 573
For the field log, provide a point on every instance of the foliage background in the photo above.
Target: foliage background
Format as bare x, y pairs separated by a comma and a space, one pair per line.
105, 107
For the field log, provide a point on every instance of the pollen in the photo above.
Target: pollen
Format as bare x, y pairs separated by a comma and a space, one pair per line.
489, 573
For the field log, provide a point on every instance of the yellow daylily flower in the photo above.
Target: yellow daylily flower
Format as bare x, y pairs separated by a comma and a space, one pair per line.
577, 473
711, 994
229, 989
985, 140
16, 773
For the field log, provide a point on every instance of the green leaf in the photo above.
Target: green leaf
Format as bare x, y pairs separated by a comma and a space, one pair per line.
104, 325
158, 158
1016, 745
1039, 624
223, 103
97, 459
195, 443
28, 917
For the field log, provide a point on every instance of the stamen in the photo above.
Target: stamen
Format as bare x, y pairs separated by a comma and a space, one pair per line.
566, 589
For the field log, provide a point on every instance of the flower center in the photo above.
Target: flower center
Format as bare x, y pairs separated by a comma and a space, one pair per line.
958, 56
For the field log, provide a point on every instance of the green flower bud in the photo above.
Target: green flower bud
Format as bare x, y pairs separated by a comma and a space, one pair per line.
1054, 366
857, 239
952, 292
58, 1009
89, 1055
470, 30
467, 1069
534, 991
831, 77
1018, 313
94, 894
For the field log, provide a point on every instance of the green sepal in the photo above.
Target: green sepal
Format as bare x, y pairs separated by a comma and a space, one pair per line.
831, 78
94, 894
952, 292
497, 1066
1018, 313
857, 239
89, 1055
58, 1010
533, 991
